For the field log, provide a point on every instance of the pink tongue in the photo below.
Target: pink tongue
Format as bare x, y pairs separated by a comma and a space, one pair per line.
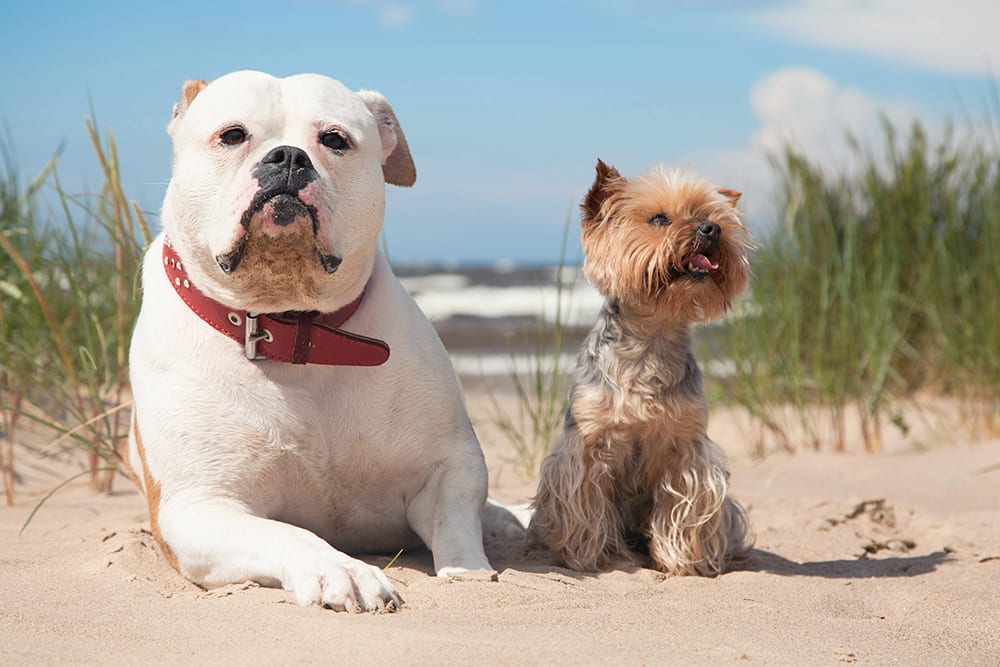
703, 262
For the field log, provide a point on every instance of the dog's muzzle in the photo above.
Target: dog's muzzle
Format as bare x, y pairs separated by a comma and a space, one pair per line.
282, 174
699, 263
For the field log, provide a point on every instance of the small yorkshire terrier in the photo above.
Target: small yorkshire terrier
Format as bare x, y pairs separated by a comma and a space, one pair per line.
634, 468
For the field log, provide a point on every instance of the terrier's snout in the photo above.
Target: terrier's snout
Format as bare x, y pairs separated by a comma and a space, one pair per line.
285, 169
709, 230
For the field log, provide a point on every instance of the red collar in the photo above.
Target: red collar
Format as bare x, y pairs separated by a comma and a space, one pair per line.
308, 337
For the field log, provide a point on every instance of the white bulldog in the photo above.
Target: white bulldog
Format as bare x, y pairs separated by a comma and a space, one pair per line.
267, 439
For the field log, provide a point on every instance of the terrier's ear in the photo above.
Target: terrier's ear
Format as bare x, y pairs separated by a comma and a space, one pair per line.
189, 91
607, 183
732, 195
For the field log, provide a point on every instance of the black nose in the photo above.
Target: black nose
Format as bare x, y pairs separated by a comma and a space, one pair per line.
709, 230
288, 157
285, 169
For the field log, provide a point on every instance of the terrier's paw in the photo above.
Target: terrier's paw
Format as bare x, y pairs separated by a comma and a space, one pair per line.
342, 584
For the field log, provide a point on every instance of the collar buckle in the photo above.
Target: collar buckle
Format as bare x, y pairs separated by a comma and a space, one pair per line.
253, 334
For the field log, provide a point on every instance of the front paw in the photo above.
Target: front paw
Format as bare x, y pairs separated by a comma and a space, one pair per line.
462, 574
342, 584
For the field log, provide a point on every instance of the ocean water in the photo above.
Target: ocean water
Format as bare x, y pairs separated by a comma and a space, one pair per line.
498, 320
502, 292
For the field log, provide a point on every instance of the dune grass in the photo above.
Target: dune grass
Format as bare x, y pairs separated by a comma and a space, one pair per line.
67, 306
876, 284
541, 381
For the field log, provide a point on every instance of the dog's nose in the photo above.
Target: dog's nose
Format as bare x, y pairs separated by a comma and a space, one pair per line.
285, 167
709, 230
288, 157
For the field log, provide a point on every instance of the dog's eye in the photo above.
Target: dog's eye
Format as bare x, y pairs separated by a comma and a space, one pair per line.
233, 136
660, 220
334, 141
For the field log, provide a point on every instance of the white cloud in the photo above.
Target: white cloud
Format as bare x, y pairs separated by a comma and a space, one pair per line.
804, 109
807, 110
957, 36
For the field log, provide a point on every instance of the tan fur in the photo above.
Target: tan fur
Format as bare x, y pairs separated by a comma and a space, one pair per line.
151, 488
189, 91
275, 266
634, 462
122, 450
732, 195
629, 259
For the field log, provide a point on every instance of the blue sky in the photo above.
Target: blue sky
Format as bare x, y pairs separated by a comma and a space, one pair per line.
507, 104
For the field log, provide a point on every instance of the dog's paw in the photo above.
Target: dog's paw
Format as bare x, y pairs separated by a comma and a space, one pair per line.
462, 574
343, 584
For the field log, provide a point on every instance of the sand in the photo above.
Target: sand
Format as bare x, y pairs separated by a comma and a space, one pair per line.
892, 558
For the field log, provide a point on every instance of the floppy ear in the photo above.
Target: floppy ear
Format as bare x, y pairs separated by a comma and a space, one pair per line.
607, 183
732, 195
397, 165
189, 91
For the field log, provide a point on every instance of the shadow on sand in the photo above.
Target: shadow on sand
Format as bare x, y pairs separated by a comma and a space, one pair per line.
859, 568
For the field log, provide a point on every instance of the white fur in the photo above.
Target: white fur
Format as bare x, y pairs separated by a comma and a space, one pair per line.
272, 471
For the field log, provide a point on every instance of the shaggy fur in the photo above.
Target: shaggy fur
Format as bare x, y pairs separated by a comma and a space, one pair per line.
634, 468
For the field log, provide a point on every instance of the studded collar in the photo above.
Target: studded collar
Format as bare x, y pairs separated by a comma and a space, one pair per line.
298, 337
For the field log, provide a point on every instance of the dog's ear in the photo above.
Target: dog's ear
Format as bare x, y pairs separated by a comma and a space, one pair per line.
607, 183
732, 195
397, 165
189, 91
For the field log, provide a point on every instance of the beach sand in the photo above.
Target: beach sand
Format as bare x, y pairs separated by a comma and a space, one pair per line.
891, 558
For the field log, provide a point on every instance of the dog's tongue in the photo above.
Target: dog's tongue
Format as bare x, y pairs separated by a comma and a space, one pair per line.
703, 262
